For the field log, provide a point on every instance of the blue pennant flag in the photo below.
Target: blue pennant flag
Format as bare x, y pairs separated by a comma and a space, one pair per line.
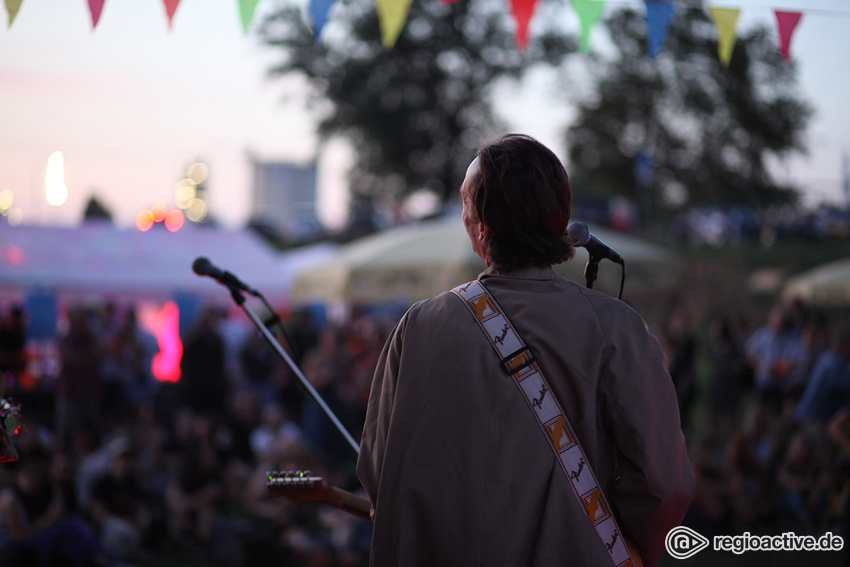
319, 14
658, 18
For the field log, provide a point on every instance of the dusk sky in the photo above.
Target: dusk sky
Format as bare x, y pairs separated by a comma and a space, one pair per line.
131, 104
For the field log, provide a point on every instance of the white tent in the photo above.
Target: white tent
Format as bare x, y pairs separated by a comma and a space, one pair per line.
825, 286
96, 259
417, 261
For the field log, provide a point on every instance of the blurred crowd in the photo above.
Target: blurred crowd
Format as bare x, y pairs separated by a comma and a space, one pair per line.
768, 424
118, 468
735, 224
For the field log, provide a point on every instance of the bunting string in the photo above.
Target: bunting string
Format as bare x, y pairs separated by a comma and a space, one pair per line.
392, 15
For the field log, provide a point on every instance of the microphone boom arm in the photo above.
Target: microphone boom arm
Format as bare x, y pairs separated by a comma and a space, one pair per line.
239, 298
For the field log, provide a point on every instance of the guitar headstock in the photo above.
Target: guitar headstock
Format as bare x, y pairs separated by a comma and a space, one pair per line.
299, 487
11, 423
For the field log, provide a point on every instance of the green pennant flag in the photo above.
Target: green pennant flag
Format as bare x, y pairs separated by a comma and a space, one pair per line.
589, 12
12, 7
246, 13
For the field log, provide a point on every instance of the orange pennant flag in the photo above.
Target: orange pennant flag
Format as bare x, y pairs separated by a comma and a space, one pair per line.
12, 7
726, 20
170, 8
787, 23
523, 10
96, 7
392, 15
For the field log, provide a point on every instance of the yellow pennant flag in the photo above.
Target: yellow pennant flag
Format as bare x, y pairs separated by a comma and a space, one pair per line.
12, 7
726, 20
392, 15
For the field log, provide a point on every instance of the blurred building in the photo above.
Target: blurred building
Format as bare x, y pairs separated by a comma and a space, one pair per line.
284, 199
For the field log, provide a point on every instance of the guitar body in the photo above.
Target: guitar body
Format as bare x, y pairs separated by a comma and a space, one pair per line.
635, 554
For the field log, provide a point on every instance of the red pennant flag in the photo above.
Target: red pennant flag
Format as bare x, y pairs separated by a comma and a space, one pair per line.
96, 7
523, 10
170, 8
787, 23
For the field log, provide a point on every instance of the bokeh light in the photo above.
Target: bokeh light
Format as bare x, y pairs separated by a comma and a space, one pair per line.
184, 193
54, 183
174, 220
15, 255
159, 210
197, 172
7, 199
166, 363
144, 220
15, 216
197, 210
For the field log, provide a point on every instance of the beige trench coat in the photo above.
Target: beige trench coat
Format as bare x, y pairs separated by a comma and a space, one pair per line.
458, 469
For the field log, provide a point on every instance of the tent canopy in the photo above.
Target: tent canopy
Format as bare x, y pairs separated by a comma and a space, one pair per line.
417, 261
825, 286
97, 259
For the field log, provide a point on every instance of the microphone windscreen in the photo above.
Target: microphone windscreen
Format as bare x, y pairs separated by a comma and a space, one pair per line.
578, 233
201, 266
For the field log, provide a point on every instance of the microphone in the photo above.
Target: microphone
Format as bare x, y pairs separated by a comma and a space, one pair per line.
204, 267
580, 235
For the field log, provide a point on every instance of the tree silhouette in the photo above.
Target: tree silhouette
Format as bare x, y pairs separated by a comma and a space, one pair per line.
682, 129
96, 211
415, 113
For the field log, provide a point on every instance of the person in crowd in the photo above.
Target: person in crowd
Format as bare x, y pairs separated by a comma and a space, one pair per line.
328, 367
276, 432
78, 388
195, 487
779, 359
243, 417
803, 482
257, 362
36, 528
709, 512
750, 487
204, 383
126, 365
13, 341
731, 375
681, 346
120, 507
828, 387
453, 458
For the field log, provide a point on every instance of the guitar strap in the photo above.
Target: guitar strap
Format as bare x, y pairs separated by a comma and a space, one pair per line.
518, 361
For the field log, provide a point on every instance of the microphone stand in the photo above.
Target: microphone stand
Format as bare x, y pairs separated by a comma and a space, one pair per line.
239, 298
591, 269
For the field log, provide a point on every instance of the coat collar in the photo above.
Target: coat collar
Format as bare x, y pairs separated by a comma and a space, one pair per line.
529, 273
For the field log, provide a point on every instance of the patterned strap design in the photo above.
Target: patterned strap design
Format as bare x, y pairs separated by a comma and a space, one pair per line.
518, 361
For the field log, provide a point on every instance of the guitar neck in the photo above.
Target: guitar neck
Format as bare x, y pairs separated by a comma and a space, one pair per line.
301, 487
351, 503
